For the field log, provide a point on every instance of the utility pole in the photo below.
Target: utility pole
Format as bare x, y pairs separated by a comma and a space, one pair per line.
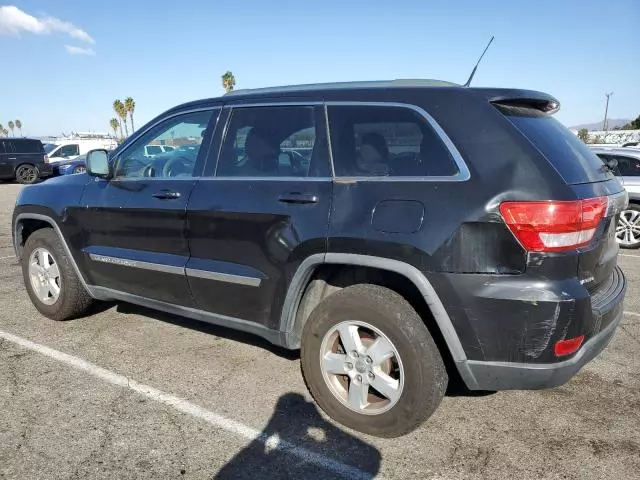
606, 111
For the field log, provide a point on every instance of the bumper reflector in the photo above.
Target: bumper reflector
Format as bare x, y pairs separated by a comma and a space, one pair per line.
567, 347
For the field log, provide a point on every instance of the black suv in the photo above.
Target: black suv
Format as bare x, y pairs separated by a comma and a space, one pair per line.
23, 159
400, 234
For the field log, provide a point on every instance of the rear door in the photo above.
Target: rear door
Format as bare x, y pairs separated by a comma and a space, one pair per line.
134, 224
264, 209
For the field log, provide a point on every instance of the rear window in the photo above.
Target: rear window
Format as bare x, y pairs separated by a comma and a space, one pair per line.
565, 151
28, 146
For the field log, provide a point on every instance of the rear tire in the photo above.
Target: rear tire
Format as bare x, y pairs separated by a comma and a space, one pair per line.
628, 228
26, 174
411, 373
50, 279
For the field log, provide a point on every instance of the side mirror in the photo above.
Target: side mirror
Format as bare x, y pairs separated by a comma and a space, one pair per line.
98, 164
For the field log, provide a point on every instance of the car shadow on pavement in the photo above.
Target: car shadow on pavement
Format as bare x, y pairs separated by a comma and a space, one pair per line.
208, 328
298, 443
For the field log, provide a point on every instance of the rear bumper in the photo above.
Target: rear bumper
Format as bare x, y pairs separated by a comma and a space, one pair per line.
495, 375
45, 170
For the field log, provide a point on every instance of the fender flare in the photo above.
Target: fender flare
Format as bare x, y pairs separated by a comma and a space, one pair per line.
45, 218
306, 268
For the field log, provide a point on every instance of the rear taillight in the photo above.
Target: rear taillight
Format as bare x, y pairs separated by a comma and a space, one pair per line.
46, 159
554, 226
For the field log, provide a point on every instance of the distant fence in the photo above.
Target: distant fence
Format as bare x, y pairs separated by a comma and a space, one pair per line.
613, 137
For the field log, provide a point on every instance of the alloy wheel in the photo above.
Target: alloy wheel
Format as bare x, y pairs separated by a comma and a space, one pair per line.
361, 367
628, 228
27, 174
45, 276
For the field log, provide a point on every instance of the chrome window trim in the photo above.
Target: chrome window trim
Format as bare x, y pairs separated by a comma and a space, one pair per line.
140, 133
463, 174
463, 171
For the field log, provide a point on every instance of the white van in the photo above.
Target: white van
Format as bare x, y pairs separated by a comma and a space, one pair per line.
69, 149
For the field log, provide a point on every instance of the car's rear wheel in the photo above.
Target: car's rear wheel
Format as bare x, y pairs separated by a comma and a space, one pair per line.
370, 362
26, 174
51, 282
628, 228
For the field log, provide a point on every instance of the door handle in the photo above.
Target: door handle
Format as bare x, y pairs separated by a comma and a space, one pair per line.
166, 195
296, 197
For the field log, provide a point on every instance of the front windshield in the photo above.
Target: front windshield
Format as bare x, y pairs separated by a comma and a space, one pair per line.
49, 147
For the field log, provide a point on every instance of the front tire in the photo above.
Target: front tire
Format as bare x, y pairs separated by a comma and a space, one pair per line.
51, 282
370, 362
26, 174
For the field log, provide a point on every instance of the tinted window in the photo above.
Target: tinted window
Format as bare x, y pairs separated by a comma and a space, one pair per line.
272, 142
565, 151
627, 166
188, 129
154, 149
386, 141
49, 147
2, 147
27, 146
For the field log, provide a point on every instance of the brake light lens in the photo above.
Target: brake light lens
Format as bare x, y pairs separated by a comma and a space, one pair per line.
554, 226
567, 347
46, 159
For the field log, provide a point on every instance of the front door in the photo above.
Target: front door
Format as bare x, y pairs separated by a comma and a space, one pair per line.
134, 225
261, 213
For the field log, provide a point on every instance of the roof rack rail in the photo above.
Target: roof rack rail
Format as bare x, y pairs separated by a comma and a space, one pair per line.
416, 83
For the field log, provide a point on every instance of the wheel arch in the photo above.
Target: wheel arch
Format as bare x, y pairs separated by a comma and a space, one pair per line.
34, 222
293, 319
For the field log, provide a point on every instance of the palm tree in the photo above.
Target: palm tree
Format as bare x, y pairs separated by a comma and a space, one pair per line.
228, 81
19, 126
114, 125
5, 132
130, 106
120, 109
11, 126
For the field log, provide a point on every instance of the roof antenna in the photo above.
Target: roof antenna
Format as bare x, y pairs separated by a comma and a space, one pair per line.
473, 72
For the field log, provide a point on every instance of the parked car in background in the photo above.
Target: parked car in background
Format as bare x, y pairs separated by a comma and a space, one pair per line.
151, 151
23, 159
625, 163
68, 167
394, 241
62, 150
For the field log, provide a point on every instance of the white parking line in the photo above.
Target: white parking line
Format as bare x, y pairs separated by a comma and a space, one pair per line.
632, 313
273, 442
10, 256
627, 255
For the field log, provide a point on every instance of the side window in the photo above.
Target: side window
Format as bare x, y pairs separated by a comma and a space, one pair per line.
68, 151
628, 166
272, 142
2, 147
371, 141
26, 146
146, 158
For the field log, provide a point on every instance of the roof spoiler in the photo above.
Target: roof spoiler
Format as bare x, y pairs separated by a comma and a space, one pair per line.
523, 99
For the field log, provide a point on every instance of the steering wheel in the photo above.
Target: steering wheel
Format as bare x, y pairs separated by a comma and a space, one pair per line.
181, 162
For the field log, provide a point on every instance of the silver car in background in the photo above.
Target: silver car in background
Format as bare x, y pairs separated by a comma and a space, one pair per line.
628, 172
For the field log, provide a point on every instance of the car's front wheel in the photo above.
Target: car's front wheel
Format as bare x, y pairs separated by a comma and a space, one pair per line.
370, 362
51, 282
628, 228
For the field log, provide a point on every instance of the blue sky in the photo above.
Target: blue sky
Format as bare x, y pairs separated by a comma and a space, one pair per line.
165, 52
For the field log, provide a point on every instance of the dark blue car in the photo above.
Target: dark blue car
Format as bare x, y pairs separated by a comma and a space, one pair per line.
67, 167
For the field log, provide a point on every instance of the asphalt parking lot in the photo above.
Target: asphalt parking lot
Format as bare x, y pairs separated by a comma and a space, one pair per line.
130, 393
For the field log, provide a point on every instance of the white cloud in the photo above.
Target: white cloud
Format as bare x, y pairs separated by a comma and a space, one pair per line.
14, 21
71, 50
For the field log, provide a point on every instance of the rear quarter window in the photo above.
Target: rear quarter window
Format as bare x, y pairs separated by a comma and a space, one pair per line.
28, 146
571, 158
